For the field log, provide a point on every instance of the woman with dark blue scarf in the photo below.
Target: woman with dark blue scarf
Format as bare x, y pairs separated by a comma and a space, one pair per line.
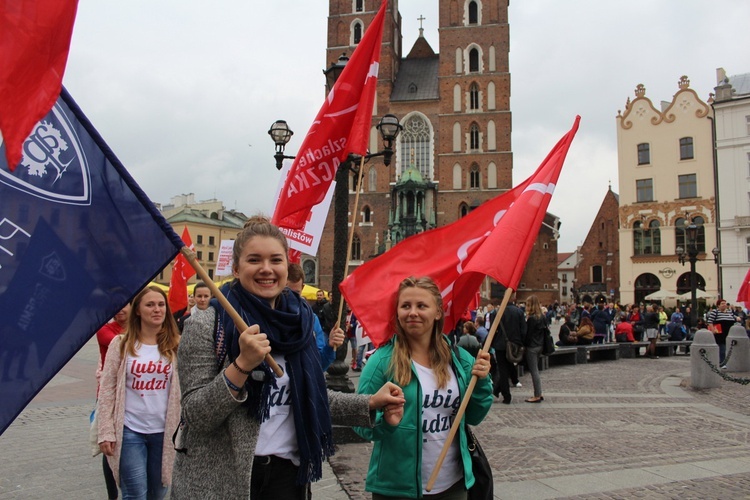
246, 433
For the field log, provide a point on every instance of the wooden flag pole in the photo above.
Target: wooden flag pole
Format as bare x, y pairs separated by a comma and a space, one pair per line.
351, 233
238, 321
469, 390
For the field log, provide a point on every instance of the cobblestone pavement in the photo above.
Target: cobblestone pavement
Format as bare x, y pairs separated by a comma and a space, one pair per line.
631, 428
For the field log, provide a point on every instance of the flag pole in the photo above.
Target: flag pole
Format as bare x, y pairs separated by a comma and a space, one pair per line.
469, 390
238, 321
351, 232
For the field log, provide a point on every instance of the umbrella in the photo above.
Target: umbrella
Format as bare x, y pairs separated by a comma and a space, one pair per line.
700, 294
163, 287
661, 295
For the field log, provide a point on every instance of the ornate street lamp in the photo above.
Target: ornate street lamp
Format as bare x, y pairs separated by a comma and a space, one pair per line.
389, 128
280, 134
690, 254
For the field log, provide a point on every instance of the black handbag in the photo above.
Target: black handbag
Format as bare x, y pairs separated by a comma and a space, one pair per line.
483, 488
549, 343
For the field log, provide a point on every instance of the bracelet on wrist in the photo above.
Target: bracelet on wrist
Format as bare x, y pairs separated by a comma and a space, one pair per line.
231, 384
237, 367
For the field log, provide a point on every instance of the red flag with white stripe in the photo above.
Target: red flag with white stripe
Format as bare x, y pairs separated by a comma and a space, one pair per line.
341, 127
181, 273
744, 294
495, 239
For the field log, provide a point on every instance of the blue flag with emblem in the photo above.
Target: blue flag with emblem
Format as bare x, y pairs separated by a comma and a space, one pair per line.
78, 239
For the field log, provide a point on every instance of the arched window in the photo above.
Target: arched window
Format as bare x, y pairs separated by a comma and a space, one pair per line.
456, 137
457, 98
474, 136
359, 5
492, 175
474, 177
491, 96
680, 236
473, 60
474, 96
463, 210
645, 284
459, 60
372, 179
683, 283
473, 13
415, 139
356, 248
646, 239
366, 215
357, 33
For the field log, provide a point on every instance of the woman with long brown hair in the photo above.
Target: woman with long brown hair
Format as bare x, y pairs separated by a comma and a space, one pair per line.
247, 433
536, 329
139, 398
434, 377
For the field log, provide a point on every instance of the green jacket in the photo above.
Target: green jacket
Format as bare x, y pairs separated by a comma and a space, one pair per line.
396, 460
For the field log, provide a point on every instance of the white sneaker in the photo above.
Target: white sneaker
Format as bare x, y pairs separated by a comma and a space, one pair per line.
519, 384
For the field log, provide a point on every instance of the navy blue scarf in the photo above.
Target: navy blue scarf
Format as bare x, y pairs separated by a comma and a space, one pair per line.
289, 327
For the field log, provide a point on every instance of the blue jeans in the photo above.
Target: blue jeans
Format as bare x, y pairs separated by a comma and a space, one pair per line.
140, 465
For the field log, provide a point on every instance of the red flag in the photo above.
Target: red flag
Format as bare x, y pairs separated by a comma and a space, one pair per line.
34, 44
744, 294
495, 239
341, 127
181, 272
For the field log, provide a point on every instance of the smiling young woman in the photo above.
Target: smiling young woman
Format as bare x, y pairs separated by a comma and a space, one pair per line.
247, 433
434, 378
139, 400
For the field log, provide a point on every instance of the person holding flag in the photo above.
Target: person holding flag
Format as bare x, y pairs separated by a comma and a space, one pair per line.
246, 433
434, 377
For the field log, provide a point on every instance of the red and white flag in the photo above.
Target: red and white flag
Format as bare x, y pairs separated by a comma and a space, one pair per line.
495, 239
181, 273
341, 127
744, 294
34, 44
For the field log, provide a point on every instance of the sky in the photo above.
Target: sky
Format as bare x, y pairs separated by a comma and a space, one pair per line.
184, 91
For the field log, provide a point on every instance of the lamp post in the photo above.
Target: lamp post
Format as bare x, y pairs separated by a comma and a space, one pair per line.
691, 255
280, 134
389, 128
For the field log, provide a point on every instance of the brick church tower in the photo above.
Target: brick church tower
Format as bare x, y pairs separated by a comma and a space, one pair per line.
454, 152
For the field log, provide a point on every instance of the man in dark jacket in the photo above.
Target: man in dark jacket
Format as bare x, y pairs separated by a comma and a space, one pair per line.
323, 309
513, 329
601, 320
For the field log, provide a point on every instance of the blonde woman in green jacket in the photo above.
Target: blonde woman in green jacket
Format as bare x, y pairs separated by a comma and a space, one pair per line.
434, 378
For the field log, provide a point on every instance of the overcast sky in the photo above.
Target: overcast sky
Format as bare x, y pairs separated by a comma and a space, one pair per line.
184, 91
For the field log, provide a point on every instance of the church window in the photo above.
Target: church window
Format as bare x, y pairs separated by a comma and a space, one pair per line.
463, 210
415, 145
357, 33
474, 136
372, 181
456, 176
356, 248
359, 5
473, 60
474, 177
474, 96
473, 13
366, 215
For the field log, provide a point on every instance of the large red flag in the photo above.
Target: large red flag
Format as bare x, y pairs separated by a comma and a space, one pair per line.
181, 272
34, 44
744, 294
341, 127
495, 239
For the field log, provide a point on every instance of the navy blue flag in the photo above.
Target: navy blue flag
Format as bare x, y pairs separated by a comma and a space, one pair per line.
78, 239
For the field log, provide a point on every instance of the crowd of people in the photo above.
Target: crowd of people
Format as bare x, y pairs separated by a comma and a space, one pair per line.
200, 409
582, 324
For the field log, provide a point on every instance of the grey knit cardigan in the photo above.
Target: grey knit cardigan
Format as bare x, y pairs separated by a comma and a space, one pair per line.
218, 434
